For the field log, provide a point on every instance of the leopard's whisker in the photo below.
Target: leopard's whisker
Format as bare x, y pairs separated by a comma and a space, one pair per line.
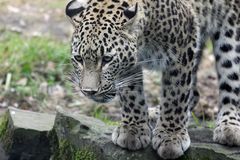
131, 78
149, 60
130, 81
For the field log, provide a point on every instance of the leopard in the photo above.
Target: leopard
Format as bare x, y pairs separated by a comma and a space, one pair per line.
114, 40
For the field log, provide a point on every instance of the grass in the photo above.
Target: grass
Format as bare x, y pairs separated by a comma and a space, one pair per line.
99, 113
196, 120
202, 122
26, 57
209, 45
65, 150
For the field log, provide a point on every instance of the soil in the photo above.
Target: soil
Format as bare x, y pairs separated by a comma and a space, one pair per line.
35, 19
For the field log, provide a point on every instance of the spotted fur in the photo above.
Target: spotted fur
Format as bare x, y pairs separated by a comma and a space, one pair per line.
114, 39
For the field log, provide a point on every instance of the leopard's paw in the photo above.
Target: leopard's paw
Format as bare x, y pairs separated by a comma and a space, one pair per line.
170, 145
226, 133
132, 137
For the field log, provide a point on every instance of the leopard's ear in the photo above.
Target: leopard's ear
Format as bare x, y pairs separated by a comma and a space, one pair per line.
131, 12
74, 8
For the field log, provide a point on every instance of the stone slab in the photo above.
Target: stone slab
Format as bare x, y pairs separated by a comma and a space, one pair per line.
24, 135
31, 120
38, 136
96, 136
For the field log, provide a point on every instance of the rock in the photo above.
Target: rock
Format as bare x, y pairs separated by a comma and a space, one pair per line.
37, 136
22, 82
3, 155
56, 91
93, 137
24, 134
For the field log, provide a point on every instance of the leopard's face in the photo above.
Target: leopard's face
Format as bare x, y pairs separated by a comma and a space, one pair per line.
101, 52
99, 59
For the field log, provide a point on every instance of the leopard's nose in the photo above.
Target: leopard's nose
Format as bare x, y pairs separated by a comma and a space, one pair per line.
89, 92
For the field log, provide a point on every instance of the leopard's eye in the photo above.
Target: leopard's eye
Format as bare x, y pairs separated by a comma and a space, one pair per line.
106, 59
78, 58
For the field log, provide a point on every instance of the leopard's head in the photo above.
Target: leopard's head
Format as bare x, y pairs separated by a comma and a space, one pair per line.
104, 45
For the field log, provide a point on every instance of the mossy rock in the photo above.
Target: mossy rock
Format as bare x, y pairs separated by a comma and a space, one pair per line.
67, 151
93, 140
63, 149
71, 139
5, 132
24, 136
85, 154
3, 125
79, 137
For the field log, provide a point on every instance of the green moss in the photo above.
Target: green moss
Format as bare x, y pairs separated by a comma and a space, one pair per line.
65, 150
3, 125
84, 154
5, 133
62, 150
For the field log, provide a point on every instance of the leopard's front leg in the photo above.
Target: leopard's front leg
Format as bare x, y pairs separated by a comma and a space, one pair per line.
170, 137
134, 132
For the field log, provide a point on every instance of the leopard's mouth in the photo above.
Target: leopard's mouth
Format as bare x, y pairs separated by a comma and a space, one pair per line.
104, 97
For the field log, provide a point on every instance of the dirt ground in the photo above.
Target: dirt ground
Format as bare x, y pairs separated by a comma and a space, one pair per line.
44, 18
